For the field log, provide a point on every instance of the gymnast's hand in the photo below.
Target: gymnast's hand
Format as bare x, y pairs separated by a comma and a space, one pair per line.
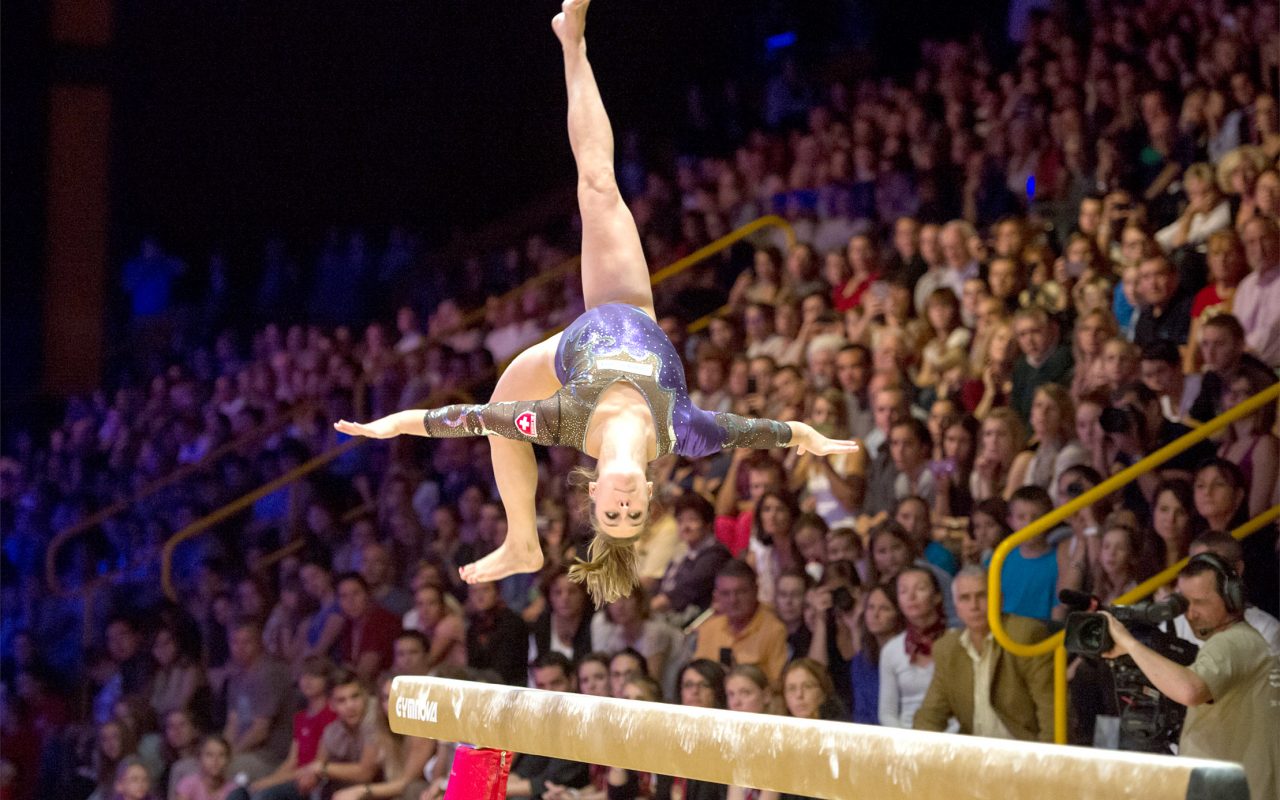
409, 421
806, 440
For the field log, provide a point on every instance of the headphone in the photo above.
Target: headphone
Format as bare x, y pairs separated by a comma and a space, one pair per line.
1230, 587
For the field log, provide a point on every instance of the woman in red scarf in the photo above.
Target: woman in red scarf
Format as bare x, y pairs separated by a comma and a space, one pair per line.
906, 664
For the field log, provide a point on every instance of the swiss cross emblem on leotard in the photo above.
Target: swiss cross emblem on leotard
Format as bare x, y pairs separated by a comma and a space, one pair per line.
527, 423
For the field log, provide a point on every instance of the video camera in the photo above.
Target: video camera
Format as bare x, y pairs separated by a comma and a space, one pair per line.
1149, 721
1087, 633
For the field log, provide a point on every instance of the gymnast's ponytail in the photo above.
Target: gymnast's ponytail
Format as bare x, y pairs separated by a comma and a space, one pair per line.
611, 571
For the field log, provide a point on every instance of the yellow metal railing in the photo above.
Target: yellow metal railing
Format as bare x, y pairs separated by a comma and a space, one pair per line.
203, 524
1052, 519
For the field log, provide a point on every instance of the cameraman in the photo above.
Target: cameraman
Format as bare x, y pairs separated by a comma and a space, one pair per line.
1232, 690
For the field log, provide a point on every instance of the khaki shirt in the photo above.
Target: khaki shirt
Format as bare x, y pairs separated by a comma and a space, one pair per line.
1242, 724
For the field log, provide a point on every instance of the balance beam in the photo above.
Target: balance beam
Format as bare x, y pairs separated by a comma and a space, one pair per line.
835, 760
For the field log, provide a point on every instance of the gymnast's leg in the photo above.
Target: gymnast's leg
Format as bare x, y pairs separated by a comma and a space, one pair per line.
613, 265
530, 376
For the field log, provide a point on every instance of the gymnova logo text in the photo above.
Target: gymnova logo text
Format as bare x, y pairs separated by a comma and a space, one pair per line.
419, 709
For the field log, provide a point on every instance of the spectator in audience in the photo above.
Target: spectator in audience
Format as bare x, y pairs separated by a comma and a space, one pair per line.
889, 408
1093, 331
1054, 448
772, 548
409, 654
1257, 303
1030, 576
132, 782
833, 484
258, 704
1044, 359
379, 574
876, 621
1229, 549
565, 626
807, 691
1003, 437
686, 586
532, 775
1249, 442
987, 690
1161, 371
626, 623
114, 752
212, 781
735, 515
1119, 558
367, 639
1227, 267
742, 631
497, 638
625, 665
181, 748
906, 662
910, 446
1221, 497
445, 630
131, 667
1166, 303
1207, 211
178, 676
1173, 519
315, 684
1222, 347
988, 527
320, 632
592, 674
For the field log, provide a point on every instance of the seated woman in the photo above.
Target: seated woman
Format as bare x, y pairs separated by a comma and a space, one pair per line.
1227, 267
1003, 437
1119, 558
749, 692
626, 622
1249, 442
876, 621
611, 385
906, 663
1053, 447
834, 485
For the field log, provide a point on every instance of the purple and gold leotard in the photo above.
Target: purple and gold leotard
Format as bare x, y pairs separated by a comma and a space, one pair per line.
610, 343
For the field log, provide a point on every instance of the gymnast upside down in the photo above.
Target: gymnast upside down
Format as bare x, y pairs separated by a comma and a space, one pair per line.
613, 384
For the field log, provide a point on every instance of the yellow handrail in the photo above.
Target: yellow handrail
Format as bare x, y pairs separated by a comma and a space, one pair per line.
206, 522
1050, 520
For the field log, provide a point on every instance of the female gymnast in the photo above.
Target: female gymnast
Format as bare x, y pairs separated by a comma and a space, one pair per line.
613, 384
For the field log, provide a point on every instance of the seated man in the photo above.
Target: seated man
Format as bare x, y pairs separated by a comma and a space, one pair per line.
742, 631
988, 690
1166, 304
533, 776
367, 640
314, 684
409, 654
689, 579
1222, 346
1045, 358
259, 704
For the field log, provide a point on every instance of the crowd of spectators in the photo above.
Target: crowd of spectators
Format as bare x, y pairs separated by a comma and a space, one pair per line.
1013, 277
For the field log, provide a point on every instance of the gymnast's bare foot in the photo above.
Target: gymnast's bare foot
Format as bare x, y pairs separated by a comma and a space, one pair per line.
506, 560
571, 23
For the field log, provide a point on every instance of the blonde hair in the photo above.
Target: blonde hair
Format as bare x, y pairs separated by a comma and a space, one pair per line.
612, 568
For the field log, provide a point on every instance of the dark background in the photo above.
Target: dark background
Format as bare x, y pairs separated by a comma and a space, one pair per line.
235, 119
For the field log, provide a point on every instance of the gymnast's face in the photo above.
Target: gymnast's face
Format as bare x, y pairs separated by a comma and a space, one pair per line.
621, 500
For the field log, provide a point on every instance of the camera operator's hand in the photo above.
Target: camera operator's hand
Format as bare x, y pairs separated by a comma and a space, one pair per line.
1119, 634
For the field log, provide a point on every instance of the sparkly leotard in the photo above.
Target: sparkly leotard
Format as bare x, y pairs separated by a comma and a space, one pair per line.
610, 343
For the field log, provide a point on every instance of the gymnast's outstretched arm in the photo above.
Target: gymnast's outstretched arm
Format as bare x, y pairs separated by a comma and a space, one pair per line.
527, 421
